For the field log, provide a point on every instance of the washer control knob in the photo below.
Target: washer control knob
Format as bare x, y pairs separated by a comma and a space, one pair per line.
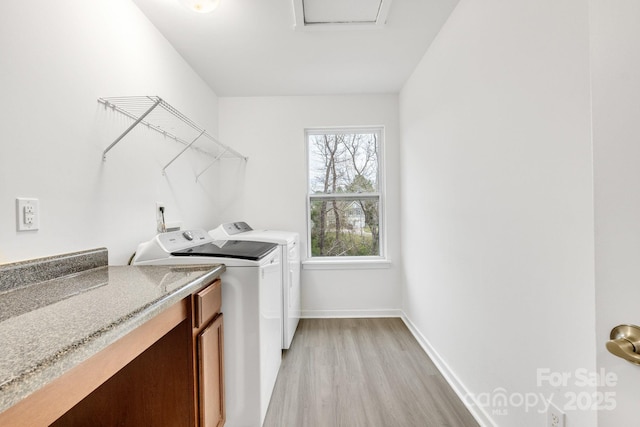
188, 235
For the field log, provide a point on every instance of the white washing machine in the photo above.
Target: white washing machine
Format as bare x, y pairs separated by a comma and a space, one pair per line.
289, 243
251, 305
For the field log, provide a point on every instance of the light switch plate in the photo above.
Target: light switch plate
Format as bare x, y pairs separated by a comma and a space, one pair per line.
27, 214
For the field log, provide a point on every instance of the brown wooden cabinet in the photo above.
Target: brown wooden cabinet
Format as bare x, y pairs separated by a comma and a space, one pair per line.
152, 388
208, 340
169, 372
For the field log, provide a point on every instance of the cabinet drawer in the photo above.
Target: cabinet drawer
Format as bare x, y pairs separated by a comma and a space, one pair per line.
207, 303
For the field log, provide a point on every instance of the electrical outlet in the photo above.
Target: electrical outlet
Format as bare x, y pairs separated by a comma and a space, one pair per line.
160, 221
555, 417
27, 214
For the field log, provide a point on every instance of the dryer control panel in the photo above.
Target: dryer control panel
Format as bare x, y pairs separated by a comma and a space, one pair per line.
232, 228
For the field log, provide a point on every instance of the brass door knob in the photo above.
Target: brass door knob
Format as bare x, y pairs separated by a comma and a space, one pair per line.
625, 343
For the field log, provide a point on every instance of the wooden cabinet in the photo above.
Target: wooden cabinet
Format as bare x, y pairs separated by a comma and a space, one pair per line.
143, 379
151, 390
208, 333
169, 372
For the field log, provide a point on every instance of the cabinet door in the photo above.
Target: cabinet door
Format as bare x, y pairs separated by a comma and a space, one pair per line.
211, 374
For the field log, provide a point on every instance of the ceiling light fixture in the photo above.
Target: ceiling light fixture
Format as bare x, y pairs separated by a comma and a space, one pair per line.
201, 6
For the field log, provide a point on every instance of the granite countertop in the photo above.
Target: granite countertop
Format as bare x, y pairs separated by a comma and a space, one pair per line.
56, 312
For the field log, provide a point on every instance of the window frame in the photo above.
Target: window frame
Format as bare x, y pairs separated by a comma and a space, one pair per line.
333, 262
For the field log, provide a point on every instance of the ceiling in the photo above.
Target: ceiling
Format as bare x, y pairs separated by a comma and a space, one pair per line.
254, 48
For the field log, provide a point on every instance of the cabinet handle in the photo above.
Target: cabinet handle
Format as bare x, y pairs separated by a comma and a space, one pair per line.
625, 343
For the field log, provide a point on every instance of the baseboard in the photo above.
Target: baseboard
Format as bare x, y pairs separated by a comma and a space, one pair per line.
324, 314
475, 408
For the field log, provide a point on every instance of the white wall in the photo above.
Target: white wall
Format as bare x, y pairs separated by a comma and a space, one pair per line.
615, 60
57, 59
497, 207
270, 130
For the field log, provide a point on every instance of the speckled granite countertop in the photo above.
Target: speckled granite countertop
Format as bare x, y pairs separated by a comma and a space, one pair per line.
58, 311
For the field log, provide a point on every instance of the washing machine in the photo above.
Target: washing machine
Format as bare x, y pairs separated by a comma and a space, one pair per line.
251, 304
289, 244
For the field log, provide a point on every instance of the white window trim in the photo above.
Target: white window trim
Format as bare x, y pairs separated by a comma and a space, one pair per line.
344, 263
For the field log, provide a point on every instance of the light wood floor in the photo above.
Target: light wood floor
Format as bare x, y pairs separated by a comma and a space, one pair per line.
361, 372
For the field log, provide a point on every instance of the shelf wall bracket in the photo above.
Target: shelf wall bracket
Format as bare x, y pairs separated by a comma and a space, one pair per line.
218, 157
183, 150
134, 124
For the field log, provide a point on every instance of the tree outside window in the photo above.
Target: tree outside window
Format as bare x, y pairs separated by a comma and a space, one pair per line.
344, 192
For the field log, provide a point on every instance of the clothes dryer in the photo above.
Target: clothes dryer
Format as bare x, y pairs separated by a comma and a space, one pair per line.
289, 245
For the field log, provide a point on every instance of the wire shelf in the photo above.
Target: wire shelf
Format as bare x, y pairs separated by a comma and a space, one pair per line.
157, 114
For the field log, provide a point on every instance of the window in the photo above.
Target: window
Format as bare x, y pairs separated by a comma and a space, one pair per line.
344, 208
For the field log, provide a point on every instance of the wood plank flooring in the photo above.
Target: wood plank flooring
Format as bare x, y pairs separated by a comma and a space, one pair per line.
361, 372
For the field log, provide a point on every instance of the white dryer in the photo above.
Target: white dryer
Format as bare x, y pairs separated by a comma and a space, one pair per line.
289, 243
251, 302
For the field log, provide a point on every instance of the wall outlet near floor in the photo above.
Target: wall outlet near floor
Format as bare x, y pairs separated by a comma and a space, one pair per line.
555, 417
27, 214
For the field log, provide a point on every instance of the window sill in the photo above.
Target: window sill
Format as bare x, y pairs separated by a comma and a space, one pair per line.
346, 264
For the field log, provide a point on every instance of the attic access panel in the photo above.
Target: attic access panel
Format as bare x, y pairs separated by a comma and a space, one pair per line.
340, 14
